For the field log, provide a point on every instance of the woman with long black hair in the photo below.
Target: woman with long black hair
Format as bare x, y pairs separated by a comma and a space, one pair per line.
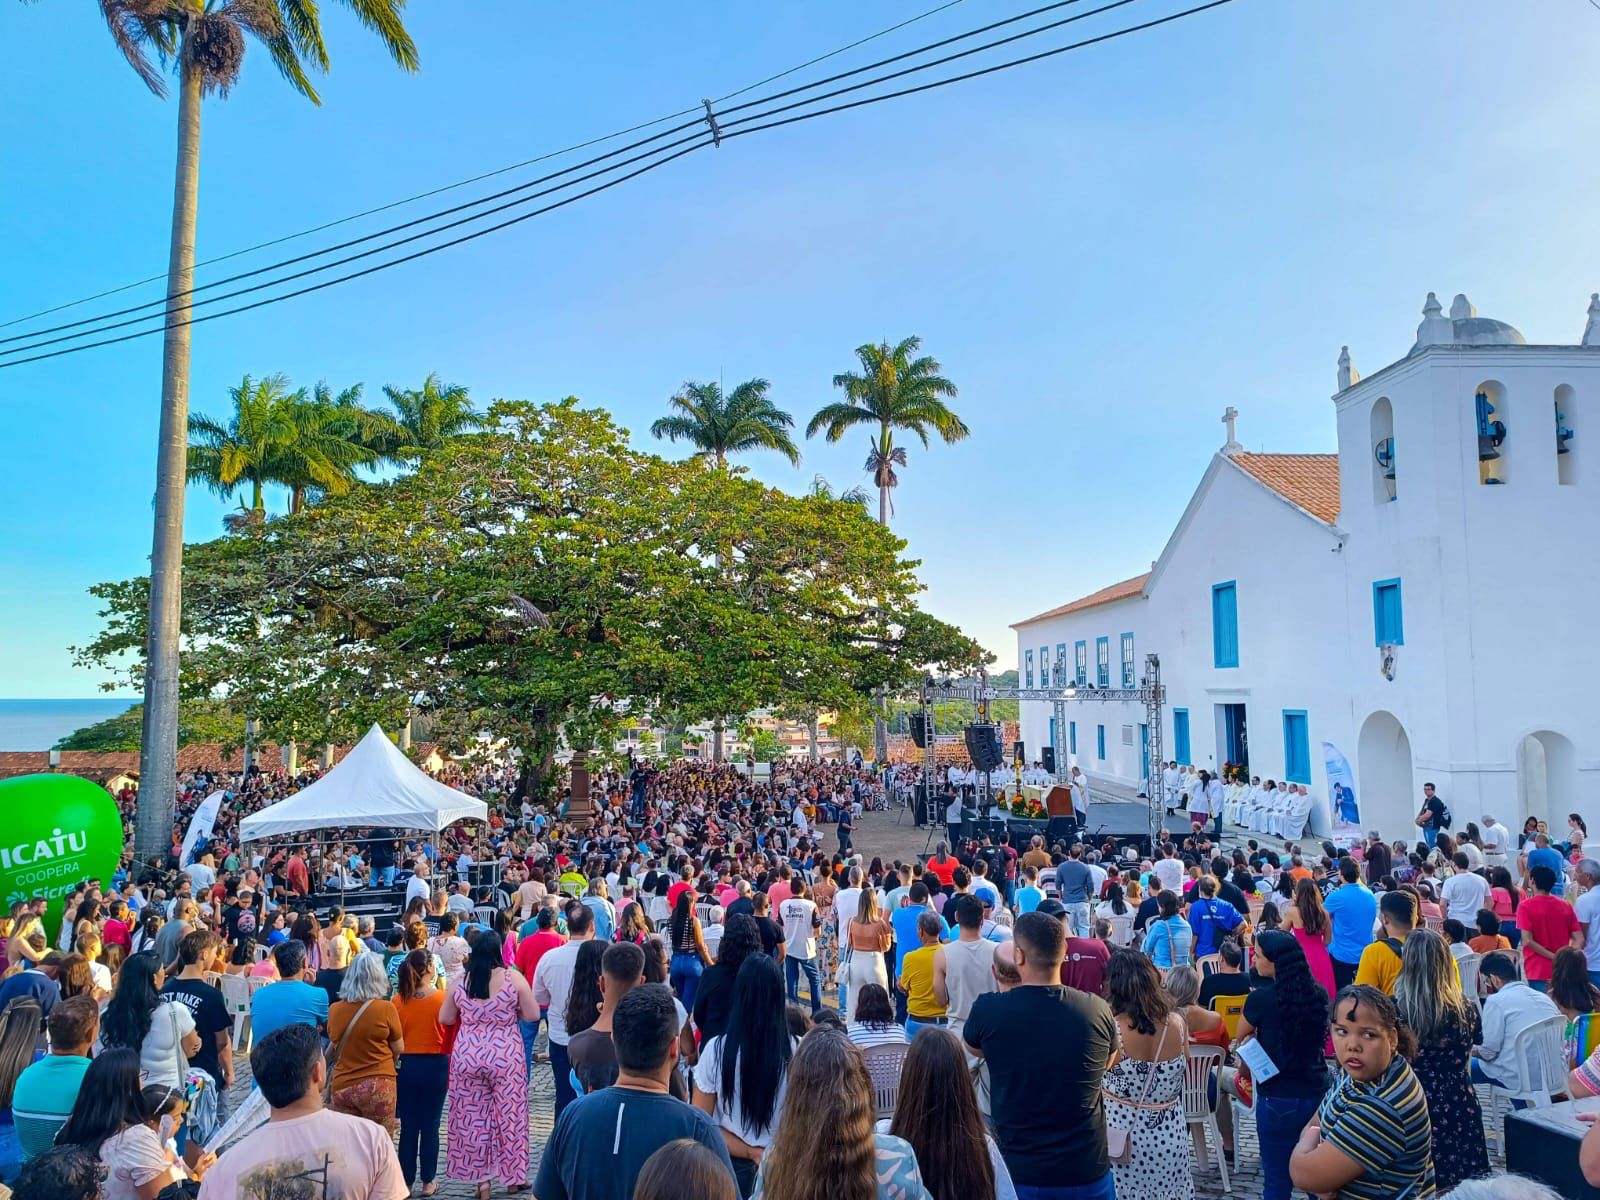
127, 1127
488, 1089
162, 1034
938, 1114
740, 1079
583, 1001
1289, 1018
713, 998
688, 944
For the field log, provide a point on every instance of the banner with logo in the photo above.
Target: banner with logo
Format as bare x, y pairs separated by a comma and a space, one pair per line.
200, 825
58, 830
1342, 803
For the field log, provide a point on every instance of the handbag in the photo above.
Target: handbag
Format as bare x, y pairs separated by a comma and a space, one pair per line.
333, 1051
1119, 1139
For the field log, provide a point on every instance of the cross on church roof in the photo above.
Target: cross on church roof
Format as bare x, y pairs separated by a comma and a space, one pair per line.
1229, 416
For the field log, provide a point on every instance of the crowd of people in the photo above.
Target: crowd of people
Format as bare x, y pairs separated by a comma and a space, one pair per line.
729, 1001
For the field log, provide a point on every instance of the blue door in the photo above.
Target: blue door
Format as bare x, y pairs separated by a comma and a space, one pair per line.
1053, 735
1144, 751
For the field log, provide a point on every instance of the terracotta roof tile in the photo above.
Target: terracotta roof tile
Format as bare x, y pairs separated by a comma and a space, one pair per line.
1310, 481
1117, 591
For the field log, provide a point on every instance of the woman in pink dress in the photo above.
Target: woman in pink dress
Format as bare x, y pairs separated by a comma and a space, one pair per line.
488, 1089
1313, 929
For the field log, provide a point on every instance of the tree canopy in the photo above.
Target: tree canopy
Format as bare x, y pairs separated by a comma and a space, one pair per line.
528, 578
205, 722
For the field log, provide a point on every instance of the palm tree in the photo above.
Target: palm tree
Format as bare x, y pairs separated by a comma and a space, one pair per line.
821, 489
333, 436
243, 452
892, 391
426, 418
203, 41
744, 419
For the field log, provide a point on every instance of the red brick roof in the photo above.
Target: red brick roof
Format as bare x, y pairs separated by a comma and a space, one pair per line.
1117, 591
1310, 481
198, 757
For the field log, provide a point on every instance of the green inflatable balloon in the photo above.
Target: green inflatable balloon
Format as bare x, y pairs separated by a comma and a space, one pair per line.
55, 832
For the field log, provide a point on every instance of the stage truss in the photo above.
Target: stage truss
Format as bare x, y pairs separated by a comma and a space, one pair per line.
1061, 693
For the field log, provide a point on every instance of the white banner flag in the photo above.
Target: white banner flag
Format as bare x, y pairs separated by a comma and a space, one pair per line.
200, 825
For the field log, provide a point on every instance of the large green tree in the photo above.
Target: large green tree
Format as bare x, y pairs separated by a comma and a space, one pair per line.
534, 577
203, 722
719, 426
203, 42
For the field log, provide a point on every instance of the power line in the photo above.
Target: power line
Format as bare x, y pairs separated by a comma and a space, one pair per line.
164, 302
701, 143
460, 183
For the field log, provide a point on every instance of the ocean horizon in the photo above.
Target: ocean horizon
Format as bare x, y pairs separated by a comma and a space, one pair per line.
40, 724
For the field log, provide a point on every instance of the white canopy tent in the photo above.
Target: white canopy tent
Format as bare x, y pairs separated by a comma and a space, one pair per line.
375, 785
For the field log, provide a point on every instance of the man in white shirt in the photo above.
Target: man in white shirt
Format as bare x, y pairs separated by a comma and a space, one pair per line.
552, 987
797, 818
460, 901
202, 874
418, 884
1587, 910
798, 916
1465, 892
1169, 869
1080, 794
1495, 838
1511, 1007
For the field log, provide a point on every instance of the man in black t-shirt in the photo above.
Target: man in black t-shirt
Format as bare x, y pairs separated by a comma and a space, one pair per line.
772, 936
243, 917
1229, 980
1041, 1039
212, 1021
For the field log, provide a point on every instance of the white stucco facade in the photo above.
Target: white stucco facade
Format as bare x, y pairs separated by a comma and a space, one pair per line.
1490, 597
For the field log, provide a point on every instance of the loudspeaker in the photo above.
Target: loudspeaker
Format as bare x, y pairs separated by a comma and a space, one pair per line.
1019, 752
983, 746
919, 728
1047, 758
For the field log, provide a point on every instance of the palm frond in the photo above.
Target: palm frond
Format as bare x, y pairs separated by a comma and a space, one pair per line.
384, 18
837, 419
136, 26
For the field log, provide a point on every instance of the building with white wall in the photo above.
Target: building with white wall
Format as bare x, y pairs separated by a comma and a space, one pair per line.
1421, 606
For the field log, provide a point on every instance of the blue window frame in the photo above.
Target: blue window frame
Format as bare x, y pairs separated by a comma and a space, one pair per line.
1180, 735
1127, 660
1387, 625
1072, 737
1102, 663
1081, 650
1044, 666
1296, 746
1027, 669
1100, 741
1225, 624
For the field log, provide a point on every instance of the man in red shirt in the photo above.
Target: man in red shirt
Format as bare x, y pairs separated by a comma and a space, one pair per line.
296, 875
1084, 966
781, 889
1548, 924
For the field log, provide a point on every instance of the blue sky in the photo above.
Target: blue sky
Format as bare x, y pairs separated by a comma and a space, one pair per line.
1104, 250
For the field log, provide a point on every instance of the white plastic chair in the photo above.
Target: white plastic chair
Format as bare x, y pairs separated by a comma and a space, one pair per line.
1242, 1114
1198, 1110
1207, 963
236, 994
884, 1064
1541, 1059
1468, 965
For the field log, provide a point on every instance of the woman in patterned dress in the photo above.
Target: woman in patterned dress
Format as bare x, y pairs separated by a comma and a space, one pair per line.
822, 895
1144, 1089
1446, 1025
488, 1090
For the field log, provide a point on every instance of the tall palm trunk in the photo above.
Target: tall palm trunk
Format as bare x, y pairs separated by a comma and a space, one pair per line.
880, 727
811, 738
158, 760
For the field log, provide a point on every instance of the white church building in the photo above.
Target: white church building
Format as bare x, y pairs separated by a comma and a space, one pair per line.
1422, 606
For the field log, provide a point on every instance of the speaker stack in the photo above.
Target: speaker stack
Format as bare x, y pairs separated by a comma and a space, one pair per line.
984, 746
919, 728
1047, 758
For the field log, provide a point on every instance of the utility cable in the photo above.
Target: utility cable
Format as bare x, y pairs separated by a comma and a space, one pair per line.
460, 183
701, 143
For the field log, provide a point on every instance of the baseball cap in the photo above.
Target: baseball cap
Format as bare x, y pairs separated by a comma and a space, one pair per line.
1052, 908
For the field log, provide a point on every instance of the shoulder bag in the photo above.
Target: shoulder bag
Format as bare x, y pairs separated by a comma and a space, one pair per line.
1119, 1139
333, 1051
